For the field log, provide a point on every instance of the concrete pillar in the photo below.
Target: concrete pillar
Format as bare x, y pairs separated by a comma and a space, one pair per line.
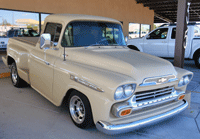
180, 33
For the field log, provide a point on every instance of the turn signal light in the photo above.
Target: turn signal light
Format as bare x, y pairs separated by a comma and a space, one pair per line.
125, 112
181, 97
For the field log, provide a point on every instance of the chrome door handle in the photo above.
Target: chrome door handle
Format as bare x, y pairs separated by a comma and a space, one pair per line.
47, 63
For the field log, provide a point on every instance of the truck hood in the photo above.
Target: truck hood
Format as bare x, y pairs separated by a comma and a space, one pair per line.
125, 61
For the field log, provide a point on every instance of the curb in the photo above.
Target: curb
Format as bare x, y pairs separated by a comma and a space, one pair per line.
4, 75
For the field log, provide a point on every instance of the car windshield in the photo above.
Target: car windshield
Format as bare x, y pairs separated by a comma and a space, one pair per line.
11, 33
80, 33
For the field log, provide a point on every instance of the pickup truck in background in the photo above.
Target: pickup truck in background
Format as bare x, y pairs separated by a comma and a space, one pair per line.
83, 62
161, 42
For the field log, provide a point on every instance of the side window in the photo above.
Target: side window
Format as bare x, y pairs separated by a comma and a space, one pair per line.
158, 34
67, 39
196, 32
173, 33
54, 29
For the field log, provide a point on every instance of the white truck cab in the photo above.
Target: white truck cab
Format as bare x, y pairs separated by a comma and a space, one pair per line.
161, 42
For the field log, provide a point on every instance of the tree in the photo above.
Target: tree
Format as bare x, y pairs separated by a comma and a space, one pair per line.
5, 22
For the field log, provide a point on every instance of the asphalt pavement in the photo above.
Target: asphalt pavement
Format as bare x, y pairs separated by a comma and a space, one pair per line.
25, 114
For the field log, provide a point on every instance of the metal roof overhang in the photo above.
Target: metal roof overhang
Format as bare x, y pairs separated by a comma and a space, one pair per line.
166, 10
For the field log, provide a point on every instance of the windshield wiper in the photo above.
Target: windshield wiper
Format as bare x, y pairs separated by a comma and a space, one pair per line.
94, 45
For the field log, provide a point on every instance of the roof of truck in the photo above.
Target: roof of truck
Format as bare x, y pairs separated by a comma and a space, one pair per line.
73, 17
174, 24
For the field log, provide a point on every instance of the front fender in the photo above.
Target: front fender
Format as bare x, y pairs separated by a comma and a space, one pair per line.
137, 43
100, 101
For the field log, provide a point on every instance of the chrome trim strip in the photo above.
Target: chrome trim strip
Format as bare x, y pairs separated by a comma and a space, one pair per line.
123, 128
86, 83
158, 80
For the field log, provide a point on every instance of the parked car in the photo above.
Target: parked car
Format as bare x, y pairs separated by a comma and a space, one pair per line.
20, 32
100, 79
161, 42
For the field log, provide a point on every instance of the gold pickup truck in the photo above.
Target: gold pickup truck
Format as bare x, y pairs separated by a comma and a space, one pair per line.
103, 82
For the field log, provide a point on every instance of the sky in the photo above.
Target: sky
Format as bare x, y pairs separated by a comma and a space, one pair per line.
10, 15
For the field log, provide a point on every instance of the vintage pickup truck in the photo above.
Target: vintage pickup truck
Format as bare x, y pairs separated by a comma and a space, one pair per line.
103, 81
161, 42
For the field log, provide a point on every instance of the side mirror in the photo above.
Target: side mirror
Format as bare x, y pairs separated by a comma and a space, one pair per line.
45, 39
126, 38
148, 37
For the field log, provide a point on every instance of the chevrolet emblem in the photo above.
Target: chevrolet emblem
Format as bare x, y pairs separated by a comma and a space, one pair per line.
162, 80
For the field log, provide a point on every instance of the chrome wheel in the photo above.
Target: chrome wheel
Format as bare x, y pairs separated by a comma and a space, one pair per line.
77, 109
14, 74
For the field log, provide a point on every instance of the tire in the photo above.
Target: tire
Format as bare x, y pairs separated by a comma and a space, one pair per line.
197, 60
80, 110
133, 48
16, 80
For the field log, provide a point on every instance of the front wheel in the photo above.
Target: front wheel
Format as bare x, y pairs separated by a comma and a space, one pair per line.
16, 80
80, 110
197, 60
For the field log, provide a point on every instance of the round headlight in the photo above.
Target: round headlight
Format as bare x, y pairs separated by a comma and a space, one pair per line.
128, 90
181, 82
119, 93
186, 80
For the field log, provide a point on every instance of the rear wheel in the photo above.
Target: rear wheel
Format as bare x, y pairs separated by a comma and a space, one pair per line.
80, 110
16, 80
197, 59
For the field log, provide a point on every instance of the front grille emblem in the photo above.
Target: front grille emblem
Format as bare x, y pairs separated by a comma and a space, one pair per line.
162, 80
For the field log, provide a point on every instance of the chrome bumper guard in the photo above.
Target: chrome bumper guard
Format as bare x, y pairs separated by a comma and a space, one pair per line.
123, 128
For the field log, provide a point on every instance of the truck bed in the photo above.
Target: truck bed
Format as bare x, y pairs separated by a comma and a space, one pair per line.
29, 40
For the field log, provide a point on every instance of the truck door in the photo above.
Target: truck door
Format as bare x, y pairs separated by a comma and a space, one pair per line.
172, 41
171, 44
156, 42
43, 61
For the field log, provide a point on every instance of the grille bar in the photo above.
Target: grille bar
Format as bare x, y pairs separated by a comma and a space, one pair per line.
153, 93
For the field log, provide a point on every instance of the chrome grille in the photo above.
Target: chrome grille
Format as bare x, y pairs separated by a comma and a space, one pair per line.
149, 95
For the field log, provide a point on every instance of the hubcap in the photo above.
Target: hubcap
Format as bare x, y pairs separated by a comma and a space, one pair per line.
77, 109
14, 75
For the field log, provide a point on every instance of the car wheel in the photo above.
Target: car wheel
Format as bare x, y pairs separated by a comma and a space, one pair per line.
16, 80
80, 110
197, 60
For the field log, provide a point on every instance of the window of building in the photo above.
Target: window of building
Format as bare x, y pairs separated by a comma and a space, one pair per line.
145, 28
13, 21
134, 30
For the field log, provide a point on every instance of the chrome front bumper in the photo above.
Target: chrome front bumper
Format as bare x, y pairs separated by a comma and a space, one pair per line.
123, 128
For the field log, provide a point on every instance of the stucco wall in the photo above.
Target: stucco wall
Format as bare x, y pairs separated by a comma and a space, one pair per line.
122, 10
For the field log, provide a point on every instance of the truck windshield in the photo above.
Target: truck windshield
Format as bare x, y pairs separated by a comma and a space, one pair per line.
80, 33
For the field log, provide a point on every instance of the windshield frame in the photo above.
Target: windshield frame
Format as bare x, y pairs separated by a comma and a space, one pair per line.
93, 21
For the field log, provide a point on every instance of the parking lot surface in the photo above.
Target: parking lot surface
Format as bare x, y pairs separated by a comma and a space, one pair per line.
25, 114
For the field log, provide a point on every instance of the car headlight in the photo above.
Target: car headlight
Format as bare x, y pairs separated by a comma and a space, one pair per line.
124, 91
184, 80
